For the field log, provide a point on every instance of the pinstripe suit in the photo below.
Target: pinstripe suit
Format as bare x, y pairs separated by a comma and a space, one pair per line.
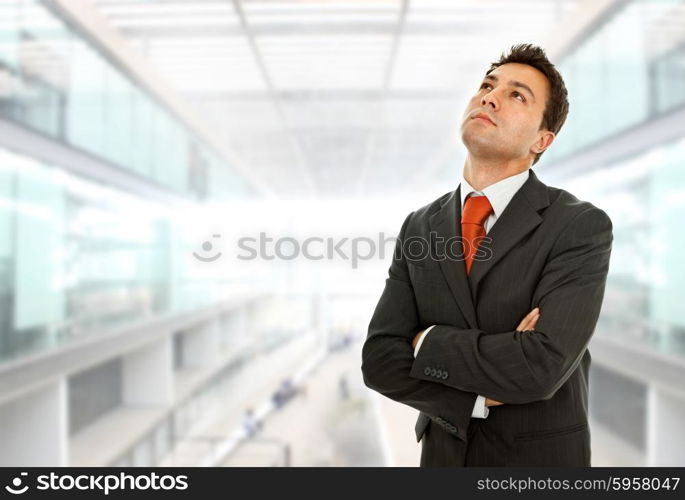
548, 249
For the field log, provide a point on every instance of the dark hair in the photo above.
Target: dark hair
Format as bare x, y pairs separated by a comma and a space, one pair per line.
556, 108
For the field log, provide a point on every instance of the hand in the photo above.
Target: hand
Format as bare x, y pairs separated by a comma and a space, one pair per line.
530, 321
417, 337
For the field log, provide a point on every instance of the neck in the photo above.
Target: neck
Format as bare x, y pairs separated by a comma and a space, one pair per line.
482, 172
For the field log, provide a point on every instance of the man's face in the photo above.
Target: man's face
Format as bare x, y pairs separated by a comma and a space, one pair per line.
513, 96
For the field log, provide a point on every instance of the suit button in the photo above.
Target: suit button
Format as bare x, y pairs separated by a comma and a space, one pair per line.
426, 371
445, 374
433, 372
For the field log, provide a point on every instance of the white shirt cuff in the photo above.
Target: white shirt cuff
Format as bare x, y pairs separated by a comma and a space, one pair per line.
479, 408
418, 344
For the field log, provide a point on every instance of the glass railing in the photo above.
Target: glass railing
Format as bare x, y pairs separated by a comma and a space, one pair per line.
55, 81
629, 70
78, 258
643, 196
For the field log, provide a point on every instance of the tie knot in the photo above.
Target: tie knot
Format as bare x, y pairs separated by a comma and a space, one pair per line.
476, 210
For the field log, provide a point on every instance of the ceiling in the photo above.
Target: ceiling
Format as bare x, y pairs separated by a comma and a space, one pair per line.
334, 98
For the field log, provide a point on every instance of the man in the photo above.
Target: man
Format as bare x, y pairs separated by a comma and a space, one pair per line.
495, 289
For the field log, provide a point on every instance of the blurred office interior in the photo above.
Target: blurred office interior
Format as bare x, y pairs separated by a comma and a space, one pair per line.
162, 161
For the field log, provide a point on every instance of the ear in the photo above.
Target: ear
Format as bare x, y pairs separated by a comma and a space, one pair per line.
544, 140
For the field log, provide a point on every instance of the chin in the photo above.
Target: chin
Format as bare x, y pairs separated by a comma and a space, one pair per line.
478, 143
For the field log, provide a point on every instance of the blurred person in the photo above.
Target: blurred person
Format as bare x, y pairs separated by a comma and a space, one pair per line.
487, 335
251, 424
343, 387
285, 392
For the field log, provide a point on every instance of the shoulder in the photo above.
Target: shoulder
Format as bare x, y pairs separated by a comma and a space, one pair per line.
427, 210
417, 220
576, 222
571, 210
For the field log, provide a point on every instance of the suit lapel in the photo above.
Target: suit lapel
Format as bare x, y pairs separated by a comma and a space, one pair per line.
444, 224
518, 219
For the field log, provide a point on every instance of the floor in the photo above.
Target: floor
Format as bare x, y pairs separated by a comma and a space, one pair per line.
335, 421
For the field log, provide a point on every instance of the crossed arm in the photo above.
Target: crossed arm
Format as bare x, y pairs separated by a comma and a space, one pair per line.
528, 323
387, 355
519, 367
513, 367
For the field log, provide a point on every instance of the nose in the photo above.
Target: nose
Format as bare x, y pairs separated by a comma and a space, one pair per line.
489, 99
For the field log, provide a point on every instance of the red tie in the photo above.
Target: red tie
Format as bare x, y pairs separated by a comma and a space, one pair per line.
476, 211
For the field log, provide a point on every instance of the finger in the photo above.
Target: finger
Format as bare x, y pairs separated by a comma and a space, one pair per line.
534, 322
530, 325
534, 316
526, 322
531, 315
524, 325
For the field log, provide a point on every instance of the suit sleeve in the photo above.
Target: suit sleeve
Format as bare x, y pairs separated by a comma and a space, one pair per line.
480, 410
388, 357
521, 367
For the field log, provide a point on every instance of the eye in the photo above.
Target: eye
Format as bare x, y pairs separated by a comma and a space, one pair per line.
485, 84
518, 94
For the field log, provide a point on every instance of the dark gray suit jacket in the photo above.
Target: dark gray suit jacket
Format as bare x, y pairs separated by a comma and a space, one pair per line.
548, 250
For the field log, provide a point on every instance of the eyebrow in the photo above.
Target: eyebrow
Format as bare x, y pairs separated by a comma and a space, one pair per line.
513, 83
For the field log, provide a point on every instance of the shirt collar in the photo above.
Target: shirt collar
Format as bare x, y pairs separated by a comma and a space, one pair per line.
499, 194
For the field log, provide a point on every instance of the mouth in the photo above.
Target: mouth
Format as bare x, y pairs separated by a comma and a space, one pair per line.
483, 118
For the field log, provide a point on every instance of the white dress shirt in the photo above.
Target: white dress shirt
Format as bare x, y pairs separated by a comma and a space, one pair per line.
499, 195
